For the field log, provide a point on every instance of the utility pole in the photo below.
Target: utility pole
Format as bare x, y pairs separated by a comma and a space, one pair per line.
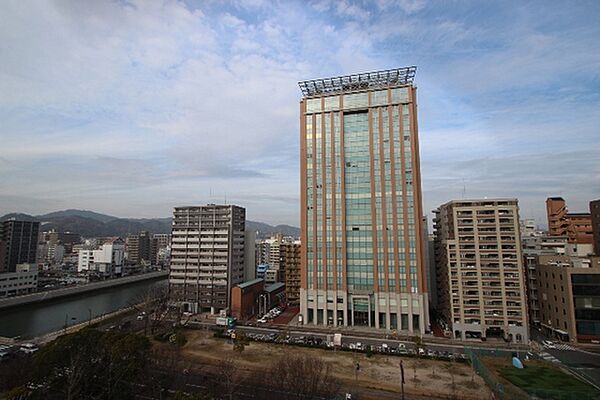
402, 378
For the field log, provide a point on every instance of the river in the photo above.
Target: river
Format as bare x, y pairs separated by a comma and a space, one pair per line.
39, 318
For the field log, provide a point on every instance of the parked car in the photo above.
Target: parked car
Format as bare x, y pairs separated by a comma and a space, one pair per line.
548, 344
421, 351
29, 348
4, 356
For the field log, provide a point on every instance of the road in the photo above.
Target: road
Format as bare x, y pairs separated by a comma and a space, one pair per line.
356, 338
583, 363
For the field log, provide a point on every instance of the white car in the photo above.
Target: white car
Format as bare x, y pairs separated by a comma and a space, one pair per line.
548, 344
262, 320
29, 348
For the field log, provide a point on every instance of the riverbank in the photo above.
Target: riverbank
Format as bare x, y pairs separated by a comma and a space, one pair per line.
74, 290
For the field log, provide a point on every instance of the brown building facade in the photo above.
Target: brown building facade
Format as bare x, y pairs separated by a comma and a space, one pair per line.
362, 260
289, 262
569, 299
577, 226
595, 216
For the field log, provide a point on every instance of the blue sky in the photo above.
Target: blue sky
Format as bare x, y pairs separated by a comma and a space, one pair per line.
133, 107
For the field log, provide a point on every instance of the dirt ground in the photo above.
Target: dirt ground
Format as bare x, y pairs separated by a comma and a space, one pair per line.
379, 372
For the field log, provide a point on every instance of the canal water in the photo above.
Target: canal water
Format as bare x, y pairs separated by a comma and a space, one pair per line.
36, 319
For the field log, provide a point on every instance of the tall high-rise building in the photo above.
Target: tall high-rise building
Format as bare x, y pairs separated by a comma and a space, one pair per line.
18, 243
362, 258
207, 256
481, 282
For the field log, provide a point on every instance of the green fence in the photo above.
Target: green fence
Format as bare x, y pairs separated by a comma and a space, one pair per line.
501, 391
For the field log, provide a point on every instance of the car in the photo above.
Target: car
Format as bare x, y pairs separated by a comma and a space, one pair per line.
261, 320
359, 346
4, 356
29, 348
401, 346
421, 351
548, 344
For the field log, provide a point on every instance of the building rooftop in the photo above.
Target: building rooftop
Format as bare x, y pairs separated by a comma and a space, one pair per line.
466, 202
275, 286
250, 283
364, 80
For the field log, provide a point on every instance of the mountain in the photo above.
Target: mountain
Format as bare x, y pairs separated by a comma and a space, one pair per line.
91, 224
77, 213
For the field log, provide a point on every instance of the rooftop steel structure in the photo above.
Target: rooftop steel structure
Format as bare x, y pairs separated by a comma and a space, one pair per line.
365, 80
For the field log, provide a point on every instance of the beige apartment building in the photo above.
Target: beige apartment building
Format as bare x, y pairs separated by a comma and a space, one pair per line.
207, 256
362, 257
481, 282
569, 298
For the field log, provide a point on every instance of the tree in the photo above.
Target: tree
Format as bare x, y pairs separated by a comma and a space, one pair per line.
229, 377
153, 304
90, 364
302, 378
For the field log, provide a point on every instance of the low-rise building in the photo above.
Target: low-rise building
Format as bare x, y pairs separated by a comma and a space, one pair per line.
255, 298
23, 280
569, 298
105, 260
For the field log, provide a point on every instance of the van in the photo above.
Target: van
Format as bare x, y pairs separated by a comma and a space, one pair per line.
29, 348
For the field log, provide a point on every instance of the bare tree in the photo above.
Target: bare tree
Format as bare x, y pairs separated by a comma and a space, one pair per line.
303, 377
229, 376
153, 304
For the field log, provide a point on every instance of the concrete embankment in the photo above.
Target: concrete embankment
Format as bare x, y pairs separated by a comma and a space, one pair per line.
74, 290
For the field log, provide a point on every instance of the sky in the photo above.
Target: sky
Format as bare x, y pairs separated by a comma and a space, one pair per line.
130, 108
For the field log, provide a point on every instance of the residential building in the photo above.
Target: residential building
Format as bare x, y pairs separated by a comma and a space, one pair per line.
249, 255
577, 226
595, 217
158, 245
362, 261
18, 243
103, 260
289, 262
481, 283
207, 256
23, 280
139, 248
569, 298
535, 246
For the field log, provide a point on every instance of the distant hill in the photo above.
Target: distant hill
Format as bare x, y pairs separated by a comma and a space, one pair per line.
78, 213
92, 224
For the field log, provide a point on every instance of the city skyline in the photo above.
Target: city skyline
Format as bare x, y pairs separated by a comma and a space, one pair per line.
122, 107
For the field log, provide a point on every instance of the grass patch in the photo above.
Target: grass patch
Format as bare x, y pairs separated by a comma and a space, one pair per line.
548, 382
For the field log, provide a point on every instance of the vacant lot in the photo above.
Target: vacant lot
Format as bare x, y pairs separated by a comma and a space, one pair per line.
428, 378
543, 380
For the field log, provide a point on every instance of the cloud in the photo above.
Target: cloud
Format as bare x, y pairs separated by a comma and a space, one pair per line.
133, 107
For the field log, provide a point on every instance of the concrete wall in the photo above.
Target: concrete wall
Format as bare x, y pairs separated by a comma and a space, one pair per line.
54, 294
